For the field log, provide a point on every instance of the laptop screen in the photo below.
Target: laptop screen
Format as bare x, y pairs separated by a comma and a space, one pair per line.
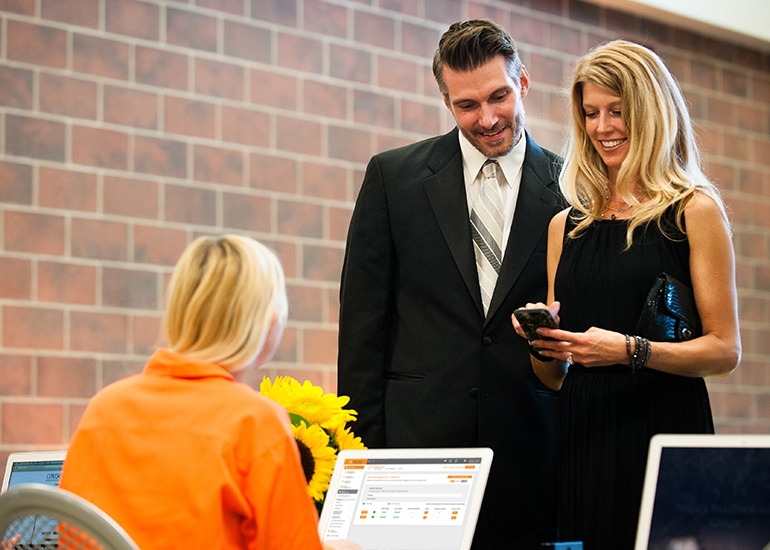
37, 467
414, 499
706, 492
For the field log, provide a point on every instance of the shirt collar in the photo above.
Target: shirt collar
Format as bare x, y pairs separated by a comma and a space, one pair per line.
165, 362
510, 164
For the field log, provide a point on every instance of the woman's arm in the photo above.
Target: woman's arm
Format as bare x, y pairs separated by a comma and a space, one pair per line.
712, 270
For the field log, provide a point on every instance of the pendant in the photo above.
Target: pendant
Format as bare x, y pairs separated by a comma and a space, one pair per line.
613, 217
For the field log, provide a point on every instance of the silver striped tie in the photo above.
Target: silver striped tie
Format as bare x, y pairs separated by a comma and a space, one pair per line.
487, 228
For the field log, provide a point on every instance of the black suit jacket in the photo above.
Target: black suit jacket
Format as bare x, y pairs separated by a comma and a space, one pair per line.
422, 365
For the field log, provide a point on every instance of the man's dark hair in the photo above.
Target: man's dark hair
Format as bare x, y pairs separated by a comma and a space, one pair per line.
467, 45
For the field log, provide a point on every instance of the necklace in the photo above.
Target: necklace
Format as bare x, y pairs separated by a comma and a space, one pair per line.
618, 210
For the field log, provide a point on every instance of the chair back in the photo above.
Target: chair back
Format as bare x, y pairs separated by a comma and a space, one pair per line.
37, 516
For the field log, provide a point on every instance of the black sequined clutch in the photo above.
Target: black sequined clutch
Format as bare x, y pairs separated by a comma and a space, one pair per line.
669, 313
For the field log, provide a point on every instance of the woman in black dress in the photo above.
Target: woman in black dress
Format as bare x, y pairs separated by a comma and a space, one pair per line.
640, 206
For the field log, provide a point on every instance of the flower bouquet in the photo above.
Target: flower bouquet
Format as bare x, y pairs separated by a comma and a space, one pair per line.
318, 421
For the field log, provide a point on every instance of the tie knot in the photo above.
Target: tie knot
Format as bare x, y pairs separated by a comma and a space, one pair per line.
490, 169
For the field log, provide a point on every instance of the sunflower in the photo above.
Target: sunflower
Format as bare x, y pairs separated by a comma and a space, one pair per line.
317, 458
343, 439
309, 402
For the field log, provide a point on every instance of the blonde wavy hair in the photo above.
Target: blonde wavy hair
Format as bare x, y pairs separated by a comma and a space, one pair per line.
222, 299
663, 159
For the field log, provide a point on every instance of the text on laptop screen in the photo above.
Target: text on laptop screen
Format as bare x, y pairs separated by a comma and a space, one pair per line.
716, 498
45, 472
426, 498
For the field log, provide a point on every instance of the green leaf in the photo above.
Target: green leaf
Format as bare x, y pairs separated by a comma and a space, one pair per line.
297, 419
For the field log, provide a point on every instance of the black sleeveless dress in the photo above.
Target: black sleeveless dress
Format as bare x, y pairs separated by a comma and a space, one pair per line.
607, 415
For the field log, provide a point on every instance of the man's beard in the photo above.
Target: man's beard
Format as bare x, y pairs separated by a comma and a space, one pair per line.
493, 151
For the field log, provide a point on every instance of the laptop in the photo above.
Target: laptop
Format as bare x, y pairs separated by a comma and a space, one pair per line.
398, 499
706, 492
33, 467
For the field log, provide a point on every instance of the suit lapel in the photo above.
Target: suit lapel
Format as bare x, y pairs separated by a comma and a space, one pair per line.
446, 193
534, 208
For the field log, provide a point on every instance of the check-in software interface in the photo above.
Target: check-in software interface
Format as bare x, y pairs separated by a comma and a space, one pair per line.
394, 504
42, 533
47, 472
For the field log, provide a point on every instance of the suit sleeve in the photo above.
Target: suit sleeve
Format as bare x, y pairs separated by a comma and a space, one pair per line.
366, 308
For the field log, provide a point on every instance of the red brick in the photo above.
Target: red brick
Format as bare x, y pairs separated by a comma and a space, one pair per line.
35, 233
32, 423
422, 118
373, 108
39, 139
24, 7
305, 303
419, 40
190, 205
100, 57
36, 44
133, 18
300, 219
247, 212
129, 288
71, 97
217, 165
160, 156
324, 181
130, 197
229, 6
287, 252
66, 283
98, 332
325, 99
16, 88
397, 74
704, 75
274, 90
99, 147
161, 68
245, 127
217, 79
375, 30
299, 135
349, 144
66, 377
300, 53
566, 39
15, 375
33, 328
99, 240
273, 173
737, 147
189, 117
350, 64
339, 222
752, 119
191, 30
761, 88
333, 299
445, 11
84, 13
16, 275
158, 245
130, 107
283, 12
117, 370
147, 334
550, 68
320, 346
322, 263
247, 42
721, 111
75, 413
500, 16
15, 183
325, 18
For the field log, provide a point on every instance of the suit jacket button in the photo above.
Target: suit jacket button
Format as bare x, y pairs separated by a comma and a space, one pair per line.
475, 393
487, 341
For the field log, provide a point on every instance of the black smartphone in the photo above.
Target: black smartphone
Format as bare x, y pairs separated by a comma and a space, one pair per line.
532, 319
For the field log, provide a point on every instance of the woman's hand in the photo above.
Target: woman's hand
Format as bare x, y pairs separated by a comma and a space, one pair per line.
10, 543
596, 347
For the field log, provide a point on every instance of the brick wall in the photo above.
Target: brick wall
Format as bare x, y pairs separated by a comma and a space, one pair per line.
129, 127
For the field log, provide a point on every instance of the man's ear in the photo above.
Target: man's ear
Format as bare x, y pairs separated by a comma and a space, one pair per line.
524, 81
447, 102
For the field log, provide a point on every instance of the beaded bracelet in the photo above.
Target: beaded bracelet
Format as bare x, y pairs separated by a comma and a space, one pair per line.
642, 352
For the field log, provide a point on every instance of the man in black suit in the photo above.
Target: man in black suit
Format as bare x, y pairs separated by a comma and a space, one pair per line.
426, 360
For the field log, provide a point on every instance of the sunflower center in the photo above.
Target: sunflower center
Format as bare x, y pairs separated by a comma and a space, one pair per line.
308, 462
